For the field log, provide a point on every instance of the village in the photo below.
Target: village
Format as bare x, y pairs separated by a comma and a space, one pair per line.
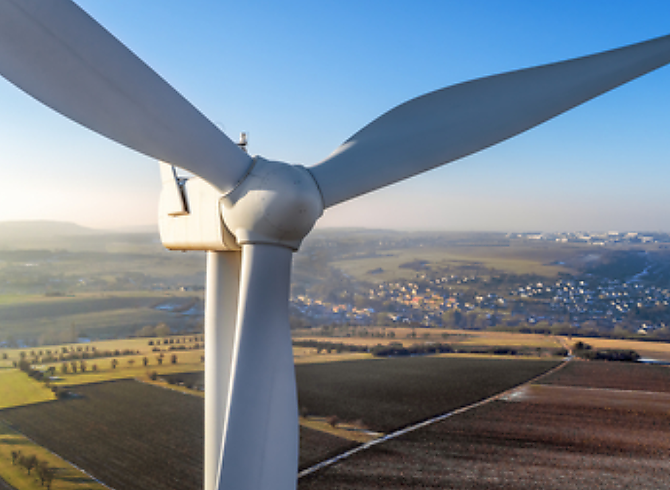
604, 305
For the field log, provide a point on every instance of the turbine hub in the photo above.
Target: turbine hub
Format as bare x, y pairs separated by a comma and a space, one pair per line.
276, 203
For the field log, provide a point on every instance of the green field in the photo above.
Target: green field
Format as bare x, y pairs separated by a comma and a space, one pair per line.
540, 259
97, 315
17, 388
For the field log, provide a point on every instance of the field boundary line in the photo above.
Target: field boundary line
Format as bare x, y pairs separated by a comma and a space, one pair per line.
5, 484
11, 426
158, 385
609, 390
424, 423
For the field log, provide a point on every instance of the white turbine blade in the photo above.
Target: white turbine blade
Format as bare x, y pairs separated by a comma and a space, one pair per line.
261, 436
448, 124
58, 54
223, 281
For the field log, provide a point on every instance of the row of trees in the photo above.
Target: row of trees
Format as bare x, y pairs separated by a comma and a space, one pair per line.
329, 347
397, 349
177, 340
67, 355
44, 472
75, 367
586, 351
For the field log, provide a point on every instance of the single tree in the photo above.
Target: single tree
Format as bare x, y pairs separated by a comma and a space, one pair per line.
114, 363
28, 462
145, 361
46, 474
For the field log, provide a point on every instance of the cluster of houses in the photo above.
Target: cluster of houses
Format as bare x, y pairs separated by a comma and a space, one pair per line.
428, 301
326, 313
606, 238
607, 302
418, 302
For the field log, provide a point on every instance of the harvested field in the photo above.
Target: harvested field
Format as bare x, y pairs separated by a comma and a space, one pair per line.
591, 397
388, 394
555, 438
129, 435
651, 350
613, 375
316, 446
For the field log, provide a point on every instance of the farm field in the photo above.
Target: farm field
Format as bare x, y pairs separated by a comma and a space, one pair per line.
98, 315
481, 338
613, 376
410, 336
127, 434
18, 389
135, 344
68, 477
135, 436
589, 425
650, 350
390, 393
544, 259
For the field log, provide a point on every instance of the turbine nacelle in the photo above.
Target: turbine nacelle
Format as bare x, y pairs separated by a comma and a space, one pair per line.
276, 203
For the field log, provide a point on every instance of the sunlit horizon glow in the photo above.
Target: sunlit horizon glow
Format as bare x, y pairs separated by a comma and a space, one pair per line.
301, 77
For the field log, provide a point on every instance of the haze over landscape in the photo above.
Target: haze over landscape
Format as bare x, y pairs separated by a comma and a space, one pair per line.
302, 77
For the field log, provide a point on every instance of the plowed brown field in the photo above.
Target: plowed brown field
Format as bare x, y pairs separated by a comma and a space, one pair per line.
589, 426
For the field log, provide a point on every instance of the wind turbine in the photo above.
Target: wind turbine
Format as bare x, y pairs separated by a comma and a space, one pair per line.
250, 214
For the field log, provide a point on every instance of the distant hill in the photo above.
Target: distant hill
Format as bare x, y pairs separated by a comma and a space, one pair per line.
133, 229
39, 228
50, 235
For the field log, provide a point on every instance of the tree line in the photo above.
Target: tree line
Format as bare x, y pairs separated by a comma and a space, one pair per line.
44, 472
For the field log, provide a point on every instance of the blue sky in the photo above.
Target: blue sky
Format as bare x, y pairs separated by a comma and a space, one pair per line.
303, 76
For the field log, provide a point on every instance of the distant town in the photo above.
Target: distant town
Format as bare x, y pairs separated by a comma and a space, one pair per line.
614, 284
625, 295
601, 239
565, 304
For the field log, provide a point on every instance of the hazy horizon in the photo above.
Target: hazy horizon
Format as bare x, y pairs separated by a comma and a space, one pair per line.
153, 228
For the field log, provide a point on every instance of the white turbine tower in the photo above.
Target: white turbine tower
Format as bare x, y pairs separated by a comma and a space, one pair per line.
251, 214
